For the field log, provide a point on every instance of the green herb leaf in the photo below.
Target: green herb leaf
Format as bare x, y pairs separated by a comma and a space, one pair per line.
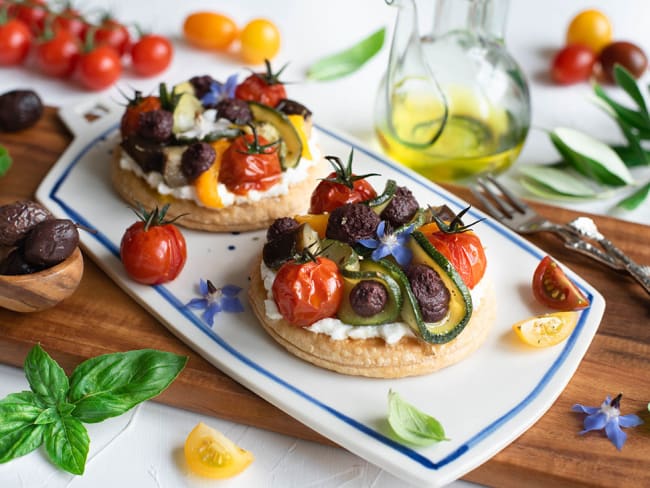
47, 416
591, 157
19, 434
66, 444
411, 425
349, 60
631, 156
109, 385
626, 81
548, 181
46, 378
629, 116
636, 198
5, 160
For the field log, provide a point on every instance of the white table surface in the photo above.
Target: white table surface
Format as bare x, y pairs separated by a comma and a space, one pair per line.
144, 447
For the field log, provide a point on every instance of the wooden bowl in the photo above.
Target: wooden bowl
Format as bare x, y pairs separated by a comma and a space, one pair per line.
42, 290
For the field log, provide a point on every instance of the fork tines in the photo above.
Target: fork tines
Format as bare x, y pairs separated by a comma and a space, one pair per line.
502, 203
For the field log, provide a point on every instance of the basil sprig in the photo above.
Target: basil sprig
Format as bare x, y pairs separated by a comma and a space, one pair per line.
5, 160
53, 412
411, 425
596, 167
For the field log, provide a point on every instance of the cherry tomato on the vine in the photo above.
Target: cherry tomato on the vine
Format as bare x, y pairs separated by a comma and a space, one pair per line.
210, 30
151, 54
260, 40
573, 64
590, 28
307, 292
112, 33
250, 163
15, 40
153, 253
57, 56
99, 68
72, 21
265, 88
553, 288
33, 13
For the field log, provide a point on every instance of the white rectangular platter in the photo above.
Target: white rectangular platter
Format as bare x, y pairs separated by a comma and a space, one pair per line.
484, 402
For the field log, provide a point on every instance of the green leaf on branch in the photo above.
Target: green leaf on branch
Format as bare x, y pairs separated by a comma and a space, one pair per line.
347, 61
5, 160
555, 183
636, 198
628, 83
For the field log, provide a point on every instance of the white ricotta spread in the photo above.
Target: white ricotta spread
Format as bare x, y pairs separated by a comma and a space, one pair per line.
337, 330
290, 176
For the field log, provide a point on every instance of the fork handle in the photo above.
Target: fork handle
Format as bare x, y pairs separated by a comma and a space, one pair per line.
588, 249
634, 269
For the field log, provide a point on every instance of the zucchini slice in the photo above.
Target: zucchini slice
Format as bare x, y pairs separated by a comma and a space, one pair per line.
290, 146
378, 204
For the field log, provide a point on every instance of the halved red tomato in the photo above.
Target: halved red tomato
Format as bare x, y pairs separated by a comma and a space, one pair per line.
553, 288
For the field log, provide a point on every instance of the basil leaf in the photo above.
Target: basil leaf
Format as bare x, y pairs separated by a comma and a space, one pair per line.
5, 160
19, 434
626, 81
66, 444
47, 416
636, 198
46, 378
556, 182
411, 425
591, 157
347, 61
109, 385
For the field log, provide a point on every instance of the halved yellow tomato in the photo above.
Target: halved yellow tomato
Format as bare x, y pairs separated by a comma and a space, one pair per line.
318, 222
546, 330
211, 454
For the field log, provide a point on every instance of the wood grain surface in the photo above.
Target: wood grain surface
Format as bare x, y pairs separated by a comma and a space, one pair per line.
100, 318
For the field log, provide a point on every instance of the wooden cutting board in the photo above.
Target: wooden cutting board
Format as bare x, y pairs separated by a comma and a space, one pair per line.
100, 318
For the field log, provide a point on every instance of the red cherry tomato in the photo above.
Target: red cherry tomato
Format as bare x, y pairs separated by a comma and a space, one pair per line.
553, 288
330, 195
572, 64
15, 40
72, 21
243, 169
155, 254
463, 250
151, 55
57, 56
264, 88
99, 68
112, 33
131, 117
32, 13
308, 292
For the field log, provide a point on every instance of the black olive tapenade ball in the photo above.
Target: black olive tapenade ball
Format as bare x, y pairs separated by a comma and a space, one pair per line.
291, 107
401, 208
235, 110
201, 85
430, 291
156, 125
281, 226
351, 222
196, 160
368, 298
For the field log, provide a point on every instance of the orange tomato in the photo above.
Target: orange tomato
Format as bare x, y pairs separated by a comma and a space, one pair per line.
260, 40
210, 30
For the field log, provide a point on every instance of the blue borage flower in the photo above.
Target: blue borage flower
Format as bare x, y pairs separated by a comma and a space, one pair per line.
390, 243
608, 416
220, 91
215, 300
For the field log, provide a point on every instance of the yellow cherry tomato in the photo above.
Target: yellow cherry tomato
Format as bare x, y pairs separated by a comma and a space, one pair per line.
546, 330
590, 28
260, 40
210, 30
211, 454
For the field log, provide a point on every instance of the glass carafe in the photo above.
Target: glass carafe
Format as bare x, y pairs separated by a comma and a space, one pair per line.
453, 103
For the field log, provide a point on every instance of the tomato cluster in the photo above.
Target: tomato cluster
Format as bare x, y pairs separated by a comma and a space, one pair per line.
590, 50
258, 40
64, 44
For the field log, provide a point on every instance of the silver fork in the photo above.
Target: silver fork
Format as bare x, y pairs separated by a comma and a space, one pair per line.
511, 211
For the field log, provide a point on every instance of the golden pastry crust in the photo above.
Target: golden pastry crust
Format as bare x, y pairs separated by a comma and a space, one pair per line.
239, 217
374, 357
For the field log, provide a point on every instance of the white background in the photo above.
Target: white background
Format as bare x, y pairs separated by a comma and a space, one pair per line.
144, 448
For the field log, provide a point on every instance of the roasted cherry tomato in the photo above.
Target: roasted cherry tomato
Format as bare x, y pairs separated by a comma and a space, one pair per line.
340, 187
628, 55
264, 88
573, 64
308, 292
553, 288
210, 30
463, 250
250, 163
590, 28
15, 39
57, 55
260, 40
32, 13
153, 250
151, 55
99, 68
112, 33
72, 21
131, 117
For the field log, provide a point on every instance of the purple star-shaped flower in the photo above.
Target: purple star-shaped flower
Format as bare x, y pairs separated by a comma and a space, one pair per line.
608, 416
215, 300
220, 91
390, 243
